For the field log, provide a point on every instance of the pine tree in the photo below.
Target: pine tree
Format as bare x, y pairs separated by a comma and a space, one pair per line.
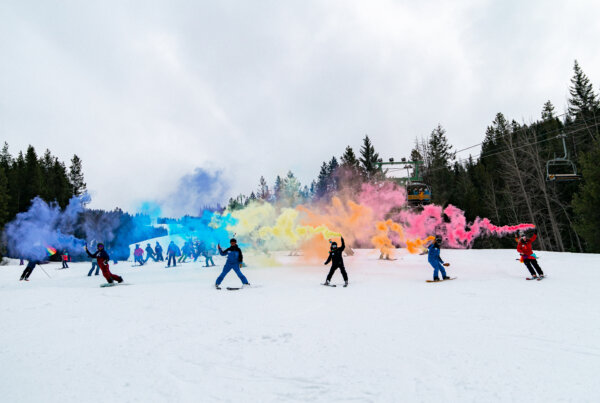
291, 188
583, 102
263, 189
322, 181
438, 174
349, 160
548, 111
368, 160
6, 159
76, 176
33, 175
4, 197
278, 188
332, 173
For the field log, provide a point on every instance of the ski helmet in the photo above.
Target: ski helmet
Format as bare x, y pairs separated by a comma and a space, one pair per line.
100, 245
233, 240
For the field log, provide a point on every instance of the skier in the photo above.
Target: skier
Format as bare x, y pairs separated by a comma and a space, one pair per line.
186, 251
528, 257
65, 259
234, 262
172, 251
208, 253
337, 262
31, 263
94, 266
138, 255
434, 259
102, 257
150, 253
158, 250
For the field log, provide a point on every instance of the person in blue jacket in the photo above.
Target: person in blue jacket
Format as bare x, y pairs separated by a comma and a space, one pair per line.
234, 262
172, 252
158, 251
435, 260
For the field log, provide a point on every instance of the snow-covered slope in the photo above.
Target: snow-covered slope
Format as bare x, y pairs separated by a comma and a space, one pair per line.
170, 336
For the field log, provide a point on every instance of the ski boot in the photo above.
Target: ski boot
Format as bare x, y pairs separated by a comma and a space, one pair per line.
217, 286
346, 284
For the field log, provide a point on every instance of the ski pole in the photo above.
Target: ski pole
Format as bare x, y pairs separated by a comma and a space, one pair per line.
45, 272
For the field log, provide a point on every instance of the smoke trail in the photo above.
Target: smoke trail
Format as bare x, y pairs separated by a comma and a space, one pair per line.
44, 226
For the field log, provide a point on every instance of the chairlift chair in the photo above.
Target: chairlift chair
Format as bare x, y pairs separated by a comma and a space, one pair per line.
562, 169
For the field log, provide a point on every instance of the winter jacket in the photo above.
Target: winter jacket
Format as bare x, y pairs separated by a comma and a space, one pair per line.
234, 255
173, 250
335, 256
149, 250
433, 255
101, 255
158, 249
138, 252
525, 249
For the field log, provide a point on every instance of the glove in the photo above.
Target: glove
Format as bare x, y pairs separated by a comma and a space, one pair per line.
325, 263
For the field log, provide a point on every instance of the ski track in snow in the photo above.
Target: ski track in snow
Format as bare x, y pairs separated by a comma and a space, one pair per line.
390, 336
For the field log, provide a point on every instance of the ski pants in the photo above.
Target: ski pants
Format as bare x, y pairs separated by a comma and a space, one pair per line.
531, 264
159, 257
438, 267
342, 270
150, 257
209, 259
65, 265
236, 268
94, 266
107, 274
26, 273
140, 260
183, 258
172, 257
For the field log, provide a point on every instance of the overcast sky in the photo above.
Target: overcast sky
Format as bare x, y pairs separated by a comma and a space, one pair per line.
145, 92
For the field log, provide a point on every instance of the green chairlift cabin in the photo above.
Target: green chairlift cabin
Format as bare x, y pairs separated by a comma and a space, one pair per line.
417, 192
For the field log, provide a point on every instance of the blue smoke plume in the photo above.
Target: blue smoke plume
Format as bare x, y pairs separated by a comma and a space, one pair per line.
44, 225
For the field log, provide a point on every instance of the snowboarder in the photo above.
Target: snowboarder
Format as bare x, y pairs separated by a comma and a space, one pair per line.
434, 259
234, 262
150, 253
172, 251
102, 257
208, 253
337, 262
31, 263
65, 259
158, 250
138, 255
528, 257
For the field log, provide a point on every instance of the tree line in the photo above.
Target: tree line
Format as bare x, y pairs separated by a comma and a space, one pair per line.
507, 181
26, 176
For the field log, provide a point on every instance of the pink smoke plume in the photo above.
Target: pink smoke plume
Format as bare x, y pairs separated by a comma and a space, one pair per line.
455, 230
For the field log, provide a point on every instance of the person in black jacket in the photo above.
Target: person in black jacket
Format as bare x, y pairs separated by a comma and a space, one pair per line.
337, 262
102, 257
30, 266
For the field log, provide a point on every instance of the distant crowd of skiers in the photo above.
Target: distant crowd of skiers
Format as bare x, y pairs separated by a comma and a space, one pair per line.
189, 250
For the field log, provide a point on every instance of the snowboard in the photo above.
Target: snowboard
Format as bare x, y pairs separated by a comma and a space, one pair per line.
432, 281
112, 284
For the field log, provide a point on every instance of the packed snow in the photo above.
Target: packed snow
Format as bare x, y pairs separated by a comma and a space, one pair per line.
169, 336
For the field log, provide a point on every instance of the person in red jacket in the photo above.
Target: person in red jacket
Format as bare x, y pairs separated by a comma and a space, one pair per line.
102, 257
528, 257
